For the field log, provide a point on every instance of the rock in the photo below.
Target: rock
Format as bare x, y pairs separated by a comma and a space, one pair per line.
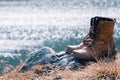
47, 55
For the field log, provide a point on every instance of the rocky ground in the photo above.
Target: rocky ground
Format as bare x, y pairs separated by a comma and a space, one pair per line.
102, 70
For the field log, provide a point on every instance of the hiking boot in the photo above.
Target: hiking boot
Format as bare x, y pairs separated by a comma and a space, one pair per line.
99, 42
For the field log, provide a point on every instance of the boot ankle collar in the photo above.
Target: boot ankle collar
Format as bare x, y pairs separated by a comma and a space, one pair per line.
105, 18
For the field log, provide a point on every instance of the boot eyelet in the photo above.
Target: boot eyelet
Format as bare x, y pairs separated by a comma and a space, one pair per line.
96, 18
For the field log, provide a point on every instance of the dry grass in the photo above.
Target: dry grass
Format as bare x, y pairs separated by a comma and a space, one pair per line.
102, 70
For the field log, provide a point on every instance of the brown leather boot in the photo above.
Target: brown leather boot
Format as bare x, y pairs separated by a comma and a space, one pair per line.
99, 42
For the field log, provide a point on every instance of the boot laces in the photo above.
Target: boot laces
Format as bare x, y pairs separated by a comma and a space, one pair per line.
90, 38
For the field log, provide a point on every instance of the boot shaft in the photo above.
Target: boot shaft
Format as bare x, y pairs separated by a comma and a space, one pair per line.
103, 28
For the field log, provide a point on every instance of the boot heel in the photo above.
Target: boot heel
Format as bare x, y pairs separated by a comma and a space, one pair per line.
108, 54
111, 54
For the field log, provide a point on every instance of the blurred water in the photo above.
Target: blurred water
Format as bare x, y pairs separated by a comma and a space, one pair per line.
27, 25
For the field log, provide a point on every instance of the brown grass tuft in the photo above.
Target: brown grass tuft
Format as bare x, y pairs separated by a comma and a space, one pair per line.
102, 70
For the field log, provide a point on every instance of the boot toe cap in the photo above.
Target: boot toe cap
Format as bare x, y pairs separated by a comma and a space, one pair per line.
82, 54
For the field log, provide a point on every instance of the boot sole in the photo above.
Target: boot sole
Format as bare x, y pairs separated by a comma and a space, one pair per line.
109, 55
